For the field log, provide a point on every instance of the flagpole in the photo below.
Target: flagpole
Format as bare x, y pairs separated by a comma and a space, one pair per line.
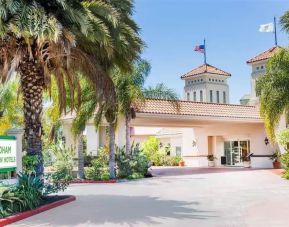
205, 55
275, 31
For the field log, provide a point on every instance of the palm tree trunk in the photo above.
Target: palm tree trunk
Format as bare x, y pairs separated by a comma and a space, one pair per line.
127, 134
32, 84
80, 160
112, 150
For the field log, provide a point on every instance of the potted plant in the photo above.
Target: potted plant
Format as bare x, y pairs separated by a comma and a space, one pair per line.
246, 161
211, 160
181, 162
276, 160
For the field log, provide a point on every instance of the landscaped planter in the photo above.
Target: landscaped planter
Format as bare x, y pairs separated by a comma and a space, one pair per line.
20, 216
211, 163
246, 164
182, 163
277, 165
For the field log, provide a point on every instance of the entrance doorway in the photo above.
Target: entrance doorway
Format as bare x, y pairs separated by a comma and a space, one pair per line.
235, 150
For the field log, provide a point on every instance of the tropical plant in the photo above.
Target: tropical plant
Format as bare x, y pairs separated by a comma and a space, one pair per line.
273, 87
64, 158
129, 89
40, 39
29, 164
10, 106
133, 164
211, 157
9, 202
29, 190
161, 91
98, 169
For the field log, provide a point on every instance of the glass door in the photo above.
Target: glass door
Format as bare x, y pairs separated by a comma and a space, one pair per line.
235, 150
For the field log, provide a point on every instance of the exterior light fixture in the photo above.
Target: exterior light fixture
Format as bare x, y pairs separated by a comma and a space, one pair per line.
266, 141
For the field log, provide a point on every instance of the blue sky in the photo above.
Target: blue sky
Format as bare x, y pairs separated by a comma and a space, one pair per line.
171, 29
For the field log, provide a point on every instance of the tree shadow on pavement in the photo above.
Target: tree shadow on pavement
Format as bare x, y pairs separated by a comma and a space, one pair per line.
89, 210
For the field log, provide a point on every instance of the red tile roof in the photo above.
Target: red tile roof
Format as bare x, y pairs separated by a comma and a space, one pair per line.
157, 106
265, 55
205, 68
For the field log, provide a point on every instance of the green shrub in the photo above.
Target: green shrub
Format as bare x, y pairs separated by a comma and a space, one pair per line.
98, 169
9, 202
133, 164
29, 163
159, 156
64, 158
55, 182
29, 190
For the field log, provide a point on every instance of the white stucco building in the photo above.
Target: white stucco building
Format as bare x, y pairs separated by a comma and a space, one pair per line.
205, 123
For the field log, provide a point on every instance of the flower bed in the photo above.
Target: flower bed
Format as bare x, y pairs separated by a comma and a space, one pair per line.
50, 203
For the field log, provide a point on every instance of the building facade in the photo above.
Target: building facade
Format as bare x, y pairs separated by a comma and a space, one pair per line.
205, 123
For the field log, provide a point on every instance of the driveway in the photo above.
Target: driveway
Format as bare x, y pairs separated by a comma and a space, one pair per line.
224, 198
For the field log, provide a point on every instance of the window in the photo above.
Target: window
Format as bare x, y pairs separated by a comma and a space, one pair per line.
257, 68
262, 66
224, 97
201, 96
218, 97
188, 96
211, 96
179, 151
201, 80
195, 96
209, 79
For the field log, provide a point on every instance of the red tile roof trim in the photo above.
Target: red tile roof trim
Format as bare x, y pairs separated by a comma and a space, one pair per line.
188, 108
205, 68
265, 55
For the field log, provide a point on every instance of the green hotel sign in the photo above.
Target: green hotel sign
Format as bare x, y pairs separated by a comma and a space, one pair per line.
7, 152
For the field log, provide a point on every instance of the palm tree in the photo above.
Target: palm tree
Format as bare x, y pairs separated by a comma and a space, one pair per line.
273, 87
57, 38
129, 88
273, 90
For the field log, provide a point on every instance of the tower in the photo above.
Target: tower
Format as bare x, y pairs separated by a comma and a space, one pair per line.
206, 84
258, 64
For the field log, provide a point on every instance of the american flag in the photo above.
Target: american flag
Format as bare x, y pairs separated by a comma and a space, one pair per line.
200, 48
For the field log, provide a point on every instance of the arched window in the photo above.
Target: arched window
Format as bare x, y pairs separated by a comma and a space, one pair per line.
201, 96
188, 96
195, 96
218, 97
211, 95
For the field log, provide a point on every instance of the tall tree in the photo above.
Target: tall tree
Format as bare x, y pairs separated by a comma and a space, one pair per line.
273, 90
273, 87
60, 38
129, 89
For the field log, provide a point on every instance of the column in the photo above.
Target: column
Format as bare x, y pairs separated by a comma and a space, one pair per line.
92, 138
18, 133
120, 132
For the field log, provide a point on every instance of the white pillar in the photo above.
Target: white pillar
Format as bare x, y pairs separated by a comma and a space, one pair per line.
68, 135
120, 132
92, 138
18, 133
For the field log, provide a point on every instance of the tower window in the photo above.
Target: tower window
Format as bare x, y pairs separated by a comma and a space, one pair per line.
218, 97
188, 96
211, 96
224, 97
195, 96
201, 96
